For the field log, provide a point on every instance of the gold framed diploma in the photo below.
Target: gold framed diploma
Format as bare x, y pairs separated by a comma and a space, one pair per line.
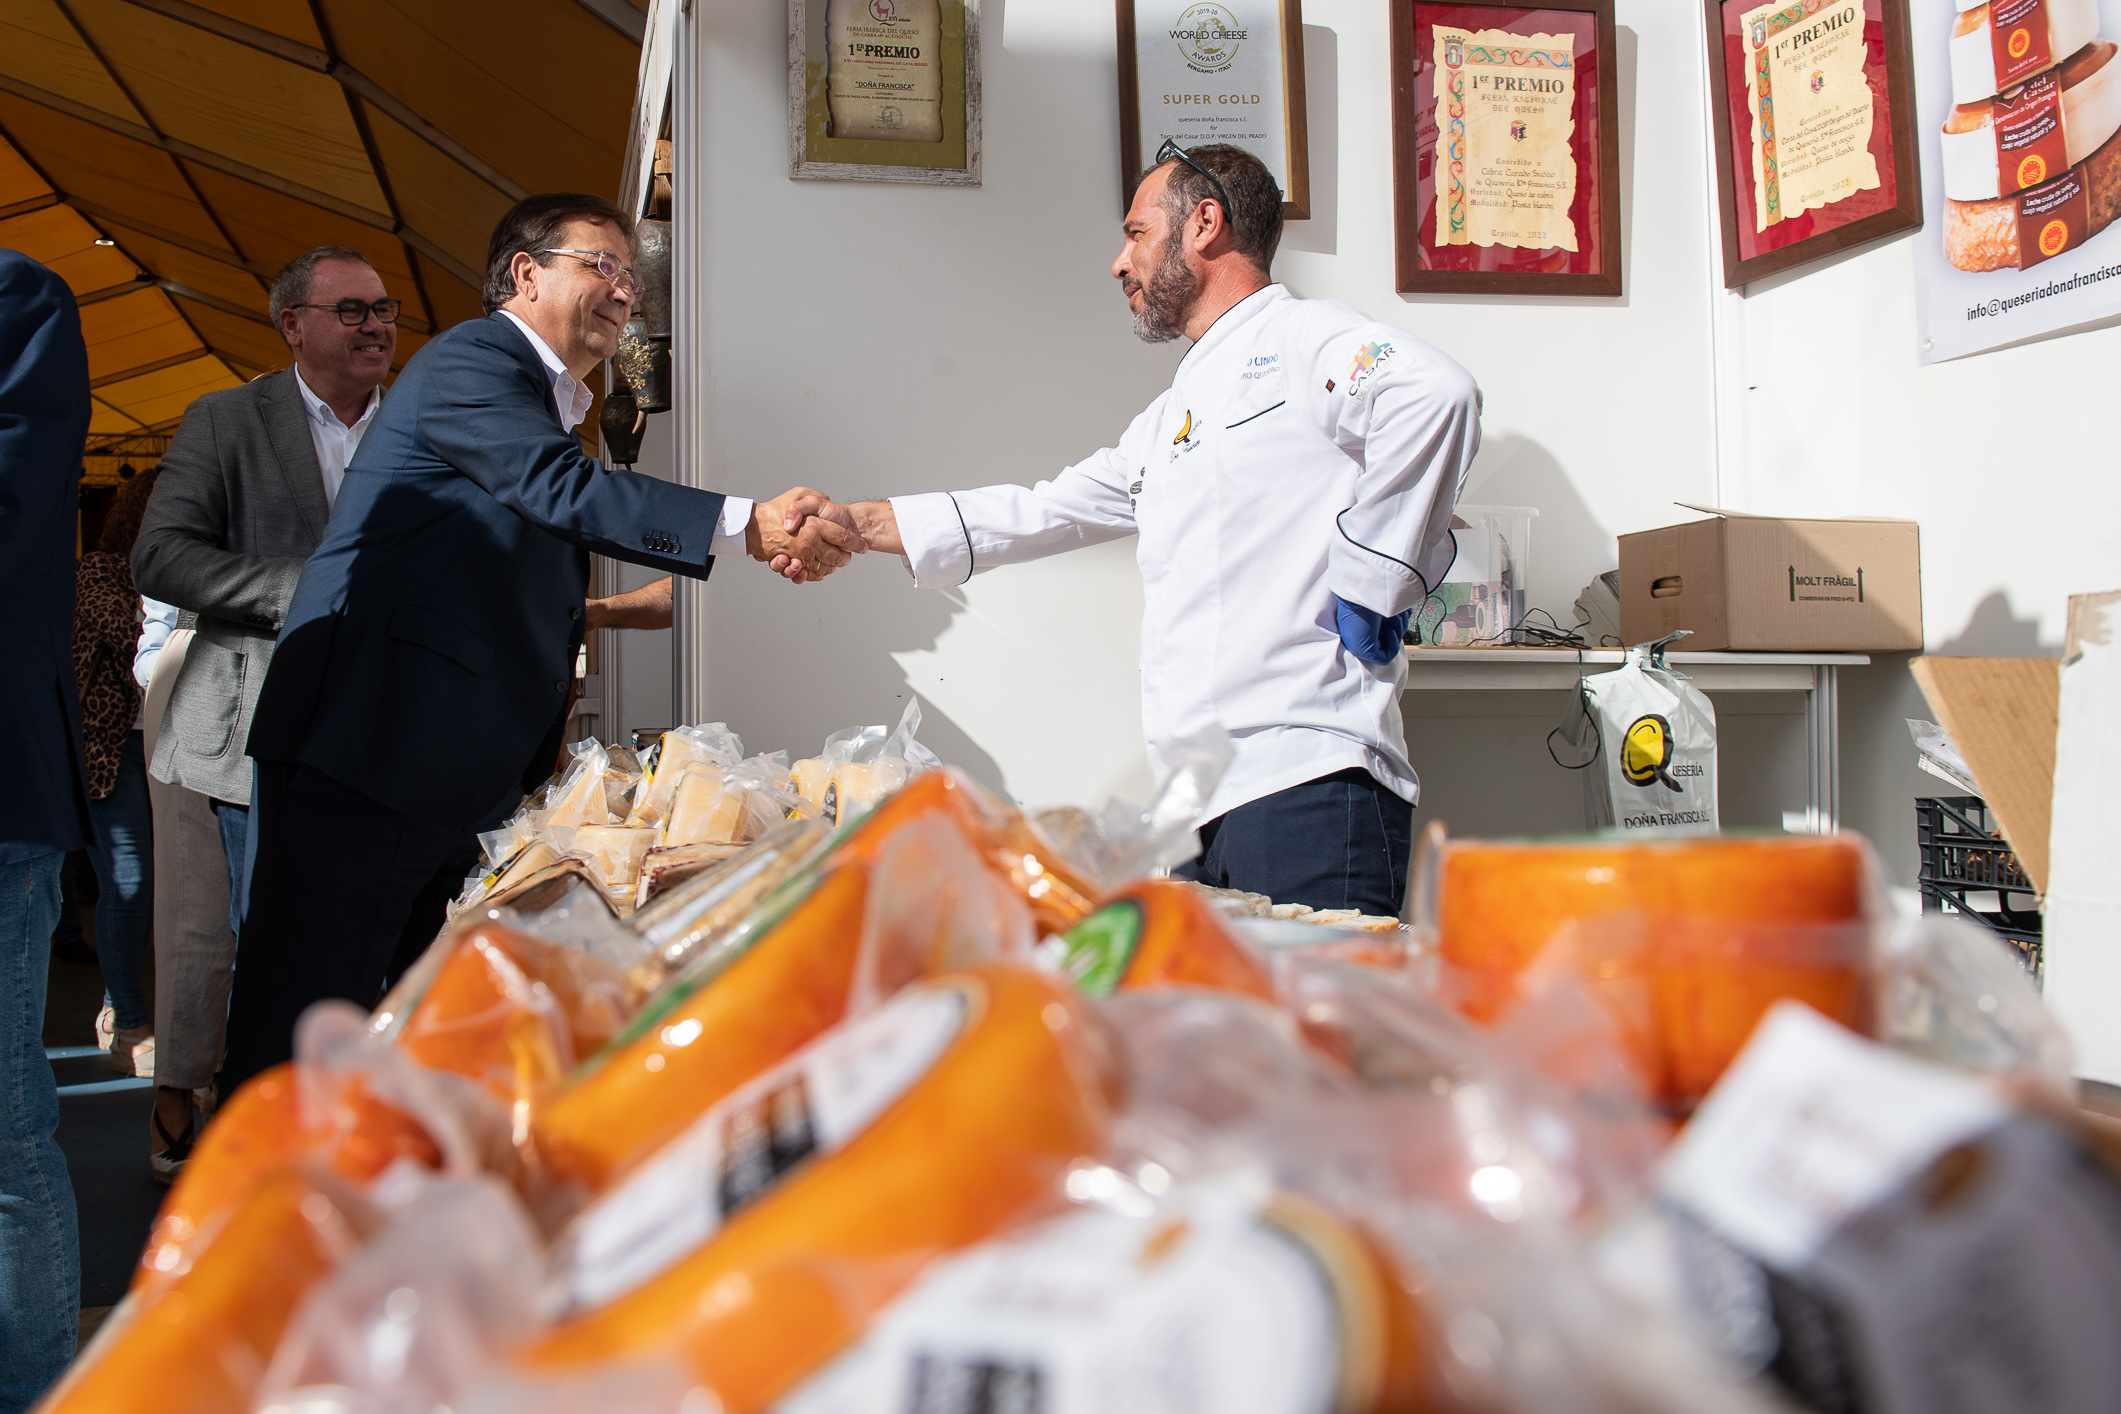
884, 91
1814, 119
1505, 148
1203, 71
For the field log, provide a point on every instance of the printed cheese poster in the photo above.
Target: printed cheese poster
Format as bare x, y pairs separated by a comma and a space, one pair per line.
2018, 120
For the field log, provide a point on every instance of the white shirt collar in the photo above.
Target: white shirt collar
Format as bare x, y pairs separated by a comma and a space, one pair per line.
322, 411
570, 395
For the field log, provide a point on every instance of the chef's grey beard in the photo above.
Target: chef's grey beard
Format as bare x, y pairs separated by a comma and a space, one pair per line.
1167, 295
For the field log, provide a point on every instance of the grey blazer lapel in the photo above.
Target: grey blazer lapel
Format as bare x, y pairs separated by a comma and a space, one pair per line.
287, 428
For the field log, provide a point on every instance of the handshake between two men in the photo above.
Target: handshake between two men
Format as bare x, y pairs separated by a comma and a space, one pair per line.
801, 535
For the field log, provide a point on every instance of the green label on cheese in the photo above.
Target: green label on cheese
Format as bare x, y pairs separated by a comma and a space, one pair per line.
1101, 946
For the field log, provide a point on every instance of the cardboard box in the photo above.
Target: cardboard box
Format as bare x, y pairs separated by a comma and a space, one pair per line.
1770, 585
2001, 714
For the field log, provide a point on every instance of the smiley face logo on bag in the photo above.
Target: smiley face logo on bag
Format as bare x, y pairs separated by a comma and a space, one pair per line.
1646, 751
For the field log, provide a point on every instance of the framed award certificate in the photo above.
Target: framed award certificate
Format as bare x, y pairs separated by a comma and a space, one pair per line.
884, 91
1230, 71
1814, 129
1506, 148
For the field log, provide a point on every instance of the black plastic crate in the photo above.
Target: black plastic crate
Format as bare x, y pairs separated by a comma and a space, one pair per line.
1963, 854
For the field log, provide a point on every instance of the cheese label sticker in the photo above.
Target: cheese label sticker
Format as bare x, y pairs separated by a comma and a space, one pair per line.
811, 1105
2029, 141
2018, 32
1101, 947
2053, 217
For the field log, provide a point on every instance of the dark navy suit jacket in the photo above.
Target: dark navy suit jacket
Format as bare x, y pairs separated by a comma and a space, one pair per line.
426, 659
43, 427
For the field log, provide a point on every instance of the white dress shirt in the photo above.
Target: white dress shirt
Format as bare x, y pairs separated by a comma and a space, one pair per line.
157, 621
571, 398
1303, 451
334, 440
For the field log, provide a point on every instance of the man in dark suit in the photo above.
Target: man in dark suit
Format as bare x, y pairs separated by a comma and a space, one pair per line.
421, 680
246, 488
43, 807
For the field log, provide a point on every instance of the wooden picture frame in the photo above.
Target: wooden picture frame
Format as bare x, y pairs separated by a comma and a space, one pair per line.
1135, 150
1466, 266
1863, 216
815, 153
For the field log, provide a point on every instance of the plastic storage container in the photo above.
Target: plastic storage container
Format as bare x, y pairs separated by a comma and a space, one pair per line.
1482, 596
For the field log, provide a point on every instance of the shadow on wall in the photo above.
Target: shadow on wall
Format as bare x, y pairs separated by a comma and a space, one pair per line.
1569, 545
1993, 630
1321, 232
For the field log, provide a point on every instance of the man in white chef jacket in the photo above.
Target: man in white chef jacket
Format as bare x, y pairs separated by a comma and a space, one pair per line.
1293, 493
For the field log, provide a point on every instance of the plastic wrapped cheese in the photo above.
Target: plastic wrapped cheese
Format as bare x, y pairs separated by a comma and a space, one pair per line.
809, 778
712, 744
703, 810
513, 1013
614, 854
1161, 934
1686, 942
1208, 1295
765, 1237
345, 1128
719, 1025
199, 1335
579, 798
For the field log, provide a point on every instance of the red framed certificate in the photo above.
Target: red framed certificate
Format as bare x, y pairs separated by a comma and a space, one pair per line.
1815, 137
1505, 148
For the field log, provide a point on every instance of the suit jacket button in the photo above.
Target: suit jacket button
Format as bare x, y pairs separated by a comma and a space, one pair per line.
560, 685
573, 614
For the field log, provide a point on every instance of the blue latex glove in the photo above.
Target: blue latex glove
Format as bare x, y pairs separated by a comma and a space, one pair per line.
1370, 637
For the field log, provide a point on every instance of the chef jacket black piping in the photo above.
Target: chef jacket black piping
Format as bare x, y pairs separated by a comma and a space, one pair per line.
963, 530
1261, 413
1425, 591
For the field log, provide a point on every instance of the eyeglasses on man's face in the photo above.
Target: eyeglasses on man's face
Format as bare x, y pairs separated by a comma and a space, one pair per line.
604, 261
1171, 150
355, 311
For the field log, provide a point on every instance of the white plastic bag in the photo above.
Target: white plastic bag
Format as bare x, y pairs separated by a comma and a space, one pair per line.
1648, 737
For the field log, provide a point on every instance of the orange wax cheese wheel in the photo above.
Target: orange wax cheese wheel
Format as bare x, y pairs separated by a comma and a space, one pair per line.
681, 1056
515, 1013
200, 1338
1058, 895
259, 1132
767, 1236
1500, 904
1161, 934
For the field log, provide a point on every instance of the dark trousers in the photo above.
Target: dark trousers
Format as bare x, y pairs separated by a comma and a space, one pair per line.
1340, 841
344, 895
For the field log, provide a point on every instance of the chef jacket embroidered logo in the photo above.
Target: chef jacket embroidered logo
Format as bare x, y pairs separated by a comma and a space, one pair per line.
1185, 441
1208, 37
1368, 359
1646, 751
1261, 365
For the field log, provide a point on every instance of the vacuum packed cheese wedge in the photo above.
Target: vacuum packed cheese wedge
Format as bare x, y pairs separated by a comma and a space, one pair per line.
1210, 1297
197, 1340
718, 1026
809, 777
1689, 942
2001, 43
266, 1126
614, 854
1999, 146
702, 811
515, 1013
1161, 934
762, 1240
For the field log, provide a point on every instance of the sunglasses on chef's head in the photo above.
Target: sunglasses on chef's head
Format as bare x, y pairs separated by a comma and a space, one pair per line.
1172, 151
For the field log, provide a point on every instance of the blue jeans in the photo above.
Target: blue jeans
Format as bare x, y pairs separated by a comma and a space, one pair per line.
234, 821
1340, 841
124, 852
40, 1246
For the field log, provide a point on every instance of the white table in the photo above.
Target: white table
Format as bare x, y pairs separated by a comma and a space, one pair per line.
1556, 669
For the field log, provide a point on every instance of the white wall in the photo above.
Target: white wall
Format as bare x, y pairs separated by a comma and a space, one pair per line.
871, 339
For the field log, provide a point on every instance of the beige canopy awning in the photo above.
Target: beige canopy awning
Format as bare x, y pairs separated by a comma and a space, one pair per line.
166, 158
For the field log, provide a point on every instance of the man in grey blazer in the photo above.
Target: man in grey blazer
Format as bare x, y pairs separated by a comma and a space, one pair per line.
246, 488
